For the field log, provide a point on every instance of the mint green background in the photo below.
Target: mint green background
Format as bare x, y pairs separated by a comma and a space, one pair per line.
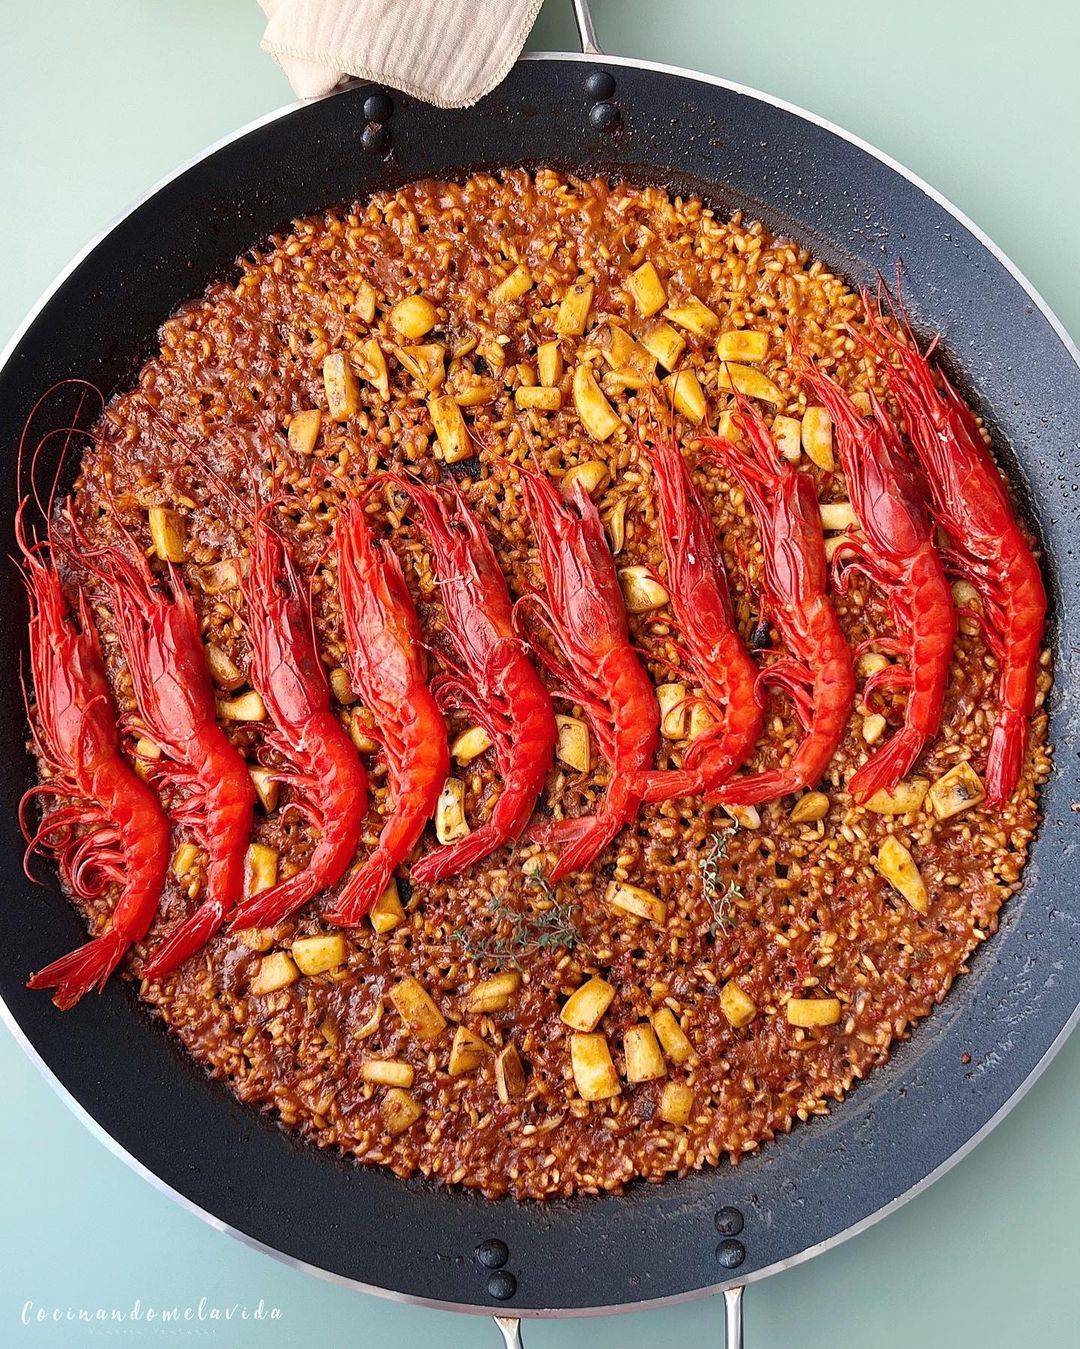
99, 99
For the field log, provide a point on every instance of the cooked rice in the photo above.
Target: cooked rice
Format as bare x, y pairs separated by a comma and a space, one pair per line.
799, 910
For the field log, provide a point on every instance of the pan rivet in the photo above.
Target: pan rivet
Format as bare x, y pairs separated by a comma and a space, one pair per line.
604, 116
731, 1253
492, 1254
377, 108
502, 1285
376, 138
729, 1221
600, 84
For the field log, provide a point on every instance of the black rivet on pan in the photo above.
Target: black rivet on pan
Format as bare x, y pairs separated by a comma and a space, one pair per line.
502, 1285
730, 1253
729, 1221
600, 84
604, 116
492, 1254
378, 107
376, 138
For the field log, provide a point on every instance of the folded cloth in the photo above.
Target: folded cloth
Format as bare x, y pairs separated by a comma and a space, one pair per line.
446, 52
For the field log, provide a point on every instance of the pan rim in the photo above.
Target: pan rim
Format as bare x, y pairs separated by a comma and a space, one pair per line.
100, 1132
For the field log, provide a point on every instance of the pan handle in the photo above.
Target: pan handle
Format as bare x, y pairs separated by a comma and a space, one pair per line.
586, 31
510, 1327
733, 1318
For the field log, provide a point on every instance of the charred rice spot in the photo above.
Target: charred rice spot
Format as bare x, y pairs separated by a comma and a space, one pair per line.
465, 469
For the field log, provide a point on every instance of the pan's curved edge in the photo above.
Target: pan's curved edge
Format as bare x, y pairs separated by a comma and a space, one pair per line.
132, 206
391, 1295
210, 1219
683, 72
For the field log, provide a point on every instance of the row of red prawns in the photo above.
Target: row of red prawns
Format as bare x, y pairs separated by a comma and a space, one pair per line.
108, 826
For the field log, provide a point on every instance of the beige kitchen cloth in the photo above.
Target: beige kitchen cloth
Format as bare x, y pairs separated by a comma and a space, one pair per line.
446, 52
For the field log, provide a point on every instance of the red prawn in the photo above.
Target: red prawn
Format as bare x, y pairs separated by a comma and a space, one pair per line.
327, 779
495, 682
710, 644
988, 547
112, 829
388, 668
890, 498
817, 670
595, 663
161, 642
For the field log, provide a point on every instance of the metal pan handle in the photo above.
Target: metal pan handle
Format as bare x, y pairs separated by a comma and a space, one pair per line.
733, 1318
586, 31
510, 1326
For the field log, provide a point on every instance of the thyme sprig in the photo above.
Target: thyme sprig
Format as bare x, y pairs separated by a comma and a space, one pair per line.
552, 928
719, 894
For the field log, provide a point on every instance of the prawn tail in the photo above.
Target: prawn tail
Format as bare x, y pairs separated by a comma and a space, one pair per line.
363, 890
1005, 758
453, 858
593, 836
80, 971
557, 833
883, 770
274, 904
185, 939
757, 787
664, 785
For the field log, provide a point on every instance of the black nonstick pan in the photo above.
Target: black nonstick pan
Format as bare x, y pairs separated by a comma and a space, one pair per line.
960, 1072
